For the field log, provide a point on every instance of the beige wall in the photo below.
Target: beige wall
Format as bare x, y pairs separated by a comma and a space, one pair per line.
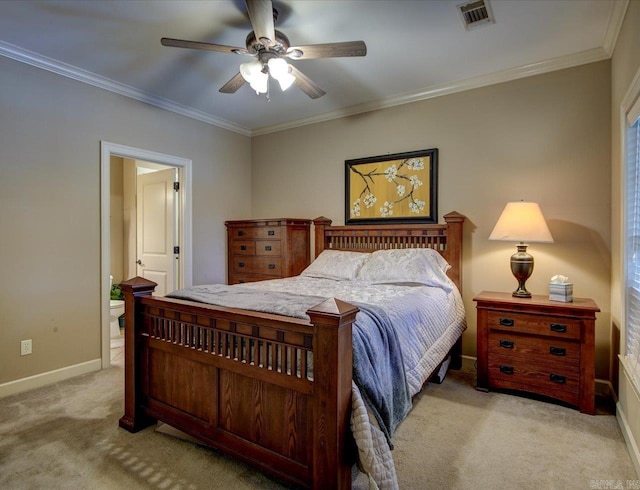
544, 138
50, 133
624, 66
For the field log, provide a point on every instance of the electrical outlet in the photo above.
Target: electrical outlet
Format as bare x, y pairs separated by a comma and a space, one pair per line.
25, 347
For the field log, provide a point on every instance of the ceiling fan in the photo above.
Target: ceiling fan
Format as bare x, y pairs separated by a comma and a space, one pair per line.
271, 48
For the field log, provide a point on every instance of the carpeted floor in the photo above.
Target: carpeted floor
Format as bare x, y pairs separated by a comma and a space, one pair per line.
66, 436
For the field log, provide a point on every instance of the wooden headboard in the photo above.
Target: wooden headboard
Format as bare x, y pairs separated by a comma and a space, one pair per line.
446, 239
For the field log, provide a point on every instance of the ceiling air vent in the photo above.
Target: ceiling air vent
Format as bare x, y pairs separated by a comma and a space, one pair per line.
476, 14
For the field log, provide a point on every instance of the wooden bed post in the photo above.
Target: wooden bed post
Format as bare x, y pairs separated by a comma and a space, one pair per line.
319, 226
133, 419
332, 375
454, 222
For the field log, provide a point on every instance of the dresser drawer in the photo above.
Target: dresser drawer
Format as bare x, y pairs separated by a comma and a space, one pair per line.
251, 232
243, 247
256, 264
544, 350
534, 324
244, 278
268, 247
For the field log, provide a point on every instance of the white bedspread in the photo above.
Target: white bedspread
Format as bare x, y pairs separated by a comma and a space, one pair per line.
433, 321
436, 317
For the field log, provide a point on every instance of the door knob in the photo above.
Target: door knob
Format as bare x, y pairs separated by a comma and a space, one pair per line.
139, 262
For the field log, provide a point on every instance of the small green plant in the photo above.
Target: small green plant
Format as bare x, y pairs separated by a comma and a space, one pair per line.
116, 292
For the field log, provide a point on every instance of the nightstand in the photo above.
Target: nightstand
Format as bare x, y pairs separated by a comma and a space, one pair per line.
538, 346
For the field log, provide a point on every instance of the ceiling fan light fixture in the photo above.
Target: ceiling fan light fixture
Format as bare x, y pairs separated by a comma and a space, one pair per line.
253, 73
286, 81
260, 83
280, 70
250, 70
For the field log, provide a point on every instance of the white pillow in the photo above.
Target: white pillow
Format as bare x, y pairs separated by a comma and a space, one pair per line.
336, 264
409, 265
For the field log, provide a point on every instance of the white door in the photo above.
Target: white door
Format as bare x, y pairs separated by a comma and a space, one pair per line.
156, 229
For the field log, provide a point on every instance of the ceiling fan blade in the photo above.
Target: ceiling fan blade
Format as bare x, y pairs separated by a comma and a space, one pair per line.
232, 86
307, 85
330, 50
181, 43
261, 16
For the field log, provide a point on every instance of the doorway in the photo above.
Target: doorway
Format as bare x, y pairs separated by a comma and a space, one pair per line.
143, 212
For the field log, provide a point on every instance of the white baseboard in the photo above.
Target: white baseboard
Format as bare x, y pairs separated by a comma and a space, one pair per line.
468, 362
38, 380
632, 446
604, 388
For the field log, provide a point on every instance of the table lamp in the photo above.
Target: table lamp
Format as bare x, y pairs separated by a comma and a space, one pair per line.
521, 222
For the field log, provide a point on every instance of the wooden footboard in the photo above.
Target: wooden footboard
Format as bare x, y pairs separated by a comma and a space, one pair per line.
244, 382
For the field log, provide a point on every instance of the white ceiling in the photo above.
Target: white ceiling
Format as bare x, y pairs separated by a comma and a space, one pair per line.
416, 49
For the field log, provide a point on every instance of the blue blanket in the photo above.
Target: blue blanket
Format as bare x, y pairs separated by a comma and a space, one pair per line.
378, 368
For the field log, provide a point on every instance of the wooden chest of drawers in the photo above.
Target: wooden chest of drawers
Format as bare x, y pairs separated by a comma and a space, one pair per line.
538, 346
266, 249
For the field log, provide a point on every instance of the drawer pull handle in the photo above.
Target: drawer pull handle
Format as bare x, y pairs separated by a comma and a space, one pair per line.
507, 344
267, 248
507, 322
557, 351
240, 233
272, 266
240, 264
556, 378
506, 369
271, 232
558, 327
243, 247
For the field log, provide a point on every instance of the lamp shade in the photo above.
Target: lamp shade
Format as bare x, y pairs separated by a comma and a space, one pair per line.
521, 222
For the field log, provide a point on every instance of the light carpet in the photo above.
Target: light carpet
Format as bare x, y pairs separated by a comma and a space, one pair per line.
66, 436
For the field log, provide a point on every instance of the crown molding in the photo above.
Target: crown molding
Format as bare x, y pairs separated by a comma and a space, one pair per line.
30, 58
616, 17
538, 68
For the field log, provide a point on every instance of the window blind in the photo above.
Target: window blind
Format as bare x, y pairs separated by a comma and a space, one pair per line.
632, 286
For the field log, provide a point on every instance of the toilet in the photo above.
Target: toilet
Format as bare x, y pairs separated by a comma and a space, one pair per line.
116, 309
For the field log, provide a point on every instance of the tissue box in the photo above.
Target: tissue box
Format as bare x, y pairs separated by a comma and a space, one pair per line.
561, 292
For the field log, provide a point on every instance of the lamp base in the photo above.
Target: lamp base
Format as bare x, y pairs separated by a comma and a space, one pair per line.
521, 267
521, 293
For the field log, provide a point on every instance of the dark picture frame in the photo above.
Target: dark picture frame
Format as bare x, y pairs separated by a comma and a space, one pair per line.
397, 188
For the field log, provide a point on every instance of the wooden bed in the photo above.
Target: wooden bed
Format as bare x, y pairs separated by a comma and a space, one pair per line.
213, 372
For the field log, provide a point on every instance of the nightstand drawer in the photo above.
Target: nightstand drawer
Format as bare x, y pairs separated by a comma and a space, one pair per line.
534, 324
533, 374
543, 350
517, 375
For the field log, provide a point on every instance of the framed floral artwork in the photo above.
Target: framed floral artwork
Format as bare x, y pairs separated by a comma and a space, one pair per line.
400, 188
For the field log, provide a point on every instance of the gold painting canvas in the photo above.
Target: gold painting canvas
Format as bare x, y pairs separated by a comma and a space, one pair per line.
392, 188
